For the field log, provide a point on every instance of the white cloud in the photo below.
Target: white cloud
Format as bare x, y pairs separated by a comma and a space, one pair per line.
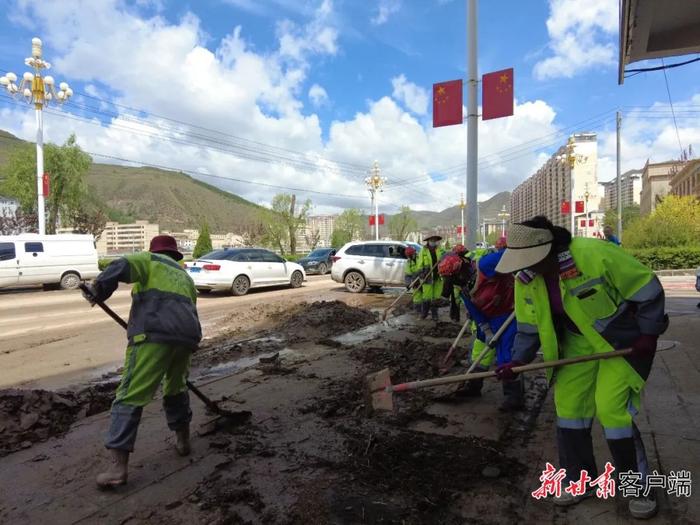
582, 36
414, 97
318, 95
385, 9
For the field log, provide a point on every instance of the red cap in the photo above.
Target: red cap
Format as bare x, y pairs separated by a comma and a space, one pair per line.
450, 264
165, 244
500, 243
410, 251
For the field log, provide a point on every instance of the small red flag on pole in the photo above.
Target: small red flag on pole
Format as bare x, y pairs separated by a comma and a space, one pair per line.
45, 184
579, 207
565, 207
447, 103
497, 94
372, 220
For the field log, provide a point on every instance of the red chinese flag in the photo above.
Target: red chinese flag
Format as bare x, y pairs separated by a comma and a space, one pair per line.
591, 222
579, 207
497, 94
459, 230
371, 220
583, 223
565, 207
45, 184
447, 103
381, 219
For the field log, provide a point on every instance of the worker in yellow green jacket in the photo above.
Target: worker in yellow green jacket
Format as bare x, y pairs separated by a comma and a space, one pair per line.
412, 273
581, 297
163, 331
431, 289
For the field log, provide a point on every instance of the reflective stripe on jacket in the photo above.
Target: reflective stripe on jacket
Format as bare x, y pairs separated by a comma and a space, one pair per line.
164, 298
611, 297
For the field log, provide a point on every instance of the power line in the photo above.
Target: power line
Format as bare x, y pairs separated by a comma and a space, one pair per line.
670, 102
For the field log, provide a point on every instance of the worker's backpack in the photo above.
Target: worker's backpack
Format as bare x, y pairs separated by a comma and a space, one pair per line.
495, 295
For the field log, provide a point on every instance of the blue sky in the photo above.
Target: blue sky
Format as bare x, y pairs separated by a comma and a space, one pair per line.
338, 84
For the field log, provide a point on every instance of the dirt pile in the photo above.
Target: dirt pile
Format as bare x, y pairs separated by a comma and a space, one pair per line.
320, 320
408, 360
31, 416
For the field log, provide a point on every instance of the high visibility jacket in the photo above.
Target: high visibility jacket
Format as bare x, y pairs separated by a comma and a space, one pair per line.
164, 298
425, 263
411, 270
610, 296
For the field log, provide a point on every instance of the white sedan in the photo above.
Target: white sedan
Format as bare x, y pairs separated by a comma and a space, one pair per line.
240, 269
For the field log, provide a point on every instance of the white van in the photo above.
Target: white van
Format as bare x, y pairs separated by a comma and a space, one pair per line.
32, 259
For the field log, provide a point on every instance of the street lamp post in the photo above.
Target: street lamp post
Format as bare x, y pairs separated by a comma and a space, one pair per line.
571, 159
586, 194
374, 184
461, 207
40, 91
504, 216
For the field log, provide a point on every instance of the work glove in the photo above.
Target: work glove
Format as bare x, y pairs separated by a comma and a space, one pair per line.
644, 346
90, 294
505, 371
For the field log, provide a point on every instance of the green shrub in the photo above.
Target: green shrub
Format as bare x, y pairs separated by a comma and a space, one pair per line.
292, 258
677, 258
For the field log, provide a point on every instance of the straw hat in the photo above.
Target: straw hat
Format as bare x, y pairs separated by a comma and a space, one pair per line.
431, 235
526, 247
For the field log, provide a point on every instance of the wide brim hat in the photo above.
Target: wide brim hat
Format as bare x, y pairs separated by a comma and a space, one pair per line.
432, 235
167, 245
526, 247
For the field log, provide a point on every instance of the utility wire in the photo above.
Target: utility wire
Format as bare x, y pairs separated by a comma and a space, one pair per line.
670, 103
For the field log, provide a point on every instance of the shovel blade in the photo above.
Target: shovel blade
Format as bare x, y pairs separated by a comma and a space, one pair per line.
377, 396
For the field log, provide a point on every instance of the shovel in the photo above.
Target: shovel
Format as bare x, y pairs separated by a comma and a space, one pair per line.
380, 389
408, 288
224, 418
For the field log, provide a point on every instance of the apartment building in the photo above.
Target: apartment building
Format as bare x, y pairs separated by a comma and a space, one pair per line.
544, 192
126, 238
631, 182
8, 206
316, 224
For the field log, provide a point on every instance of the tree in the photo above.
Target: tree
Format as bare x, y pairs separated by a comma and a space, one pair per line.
312, 238
349, 224
401, 224
67, 166
276, 231
629, 215
86, 220
339, 238
203, 245
285, 211
254, 234
674, 222
18, 222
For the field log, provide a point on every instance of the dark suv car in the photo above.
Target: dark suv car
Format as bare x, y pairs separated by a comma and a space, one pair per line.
318, 261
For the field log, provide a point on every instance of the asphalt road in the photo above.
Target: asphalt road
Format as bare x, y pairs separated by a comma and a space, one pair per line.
54, 339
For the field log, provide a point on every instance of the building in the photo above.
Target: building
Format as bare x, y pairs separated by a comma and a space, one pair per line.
187, 240
544, 192
631, 182
656, 183
8, 206
316, 225
687, 181
126, 238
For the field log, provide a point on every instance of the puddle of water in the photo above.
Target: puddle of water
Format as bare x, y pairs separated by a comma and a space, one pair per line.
237, 365
372, 331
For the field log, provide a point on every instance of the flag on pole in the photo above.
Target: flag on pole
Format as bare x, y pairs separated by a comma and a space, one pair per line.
45, 185
447, 103
580, 207
565, 207
459, 230
497, 94
372, 220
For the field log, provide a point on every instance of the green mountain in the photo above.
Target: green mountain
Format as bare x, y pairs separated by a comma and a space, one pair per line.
488, 210
170, 199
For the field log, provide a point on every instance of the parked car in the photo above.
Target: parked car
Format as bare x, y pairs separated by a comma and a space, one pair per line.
318, 261
32, 259
240, 269
372, 263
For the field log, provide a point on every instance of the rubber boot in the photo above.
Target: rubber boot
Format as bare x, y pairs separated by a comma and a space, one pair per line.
472, 388
117, 473
425, 309
418, 307
182, 443
624, 454
434, 313
514, 394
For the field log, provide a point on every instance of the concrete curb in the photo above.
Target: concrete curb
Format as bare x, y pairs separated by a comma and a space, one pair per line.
689, 271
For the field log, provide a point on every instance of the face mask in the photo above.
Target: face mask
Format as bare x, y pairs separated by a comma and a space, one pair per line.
433, 244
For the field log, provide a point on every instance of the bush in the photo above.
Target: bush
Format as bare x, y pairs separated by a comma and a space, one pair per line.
678, 258
103, 263
292, 258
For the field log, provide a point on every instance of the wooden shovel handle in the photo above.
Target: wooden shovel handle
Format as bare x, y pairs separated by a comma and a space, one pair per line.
408, 288
414, 385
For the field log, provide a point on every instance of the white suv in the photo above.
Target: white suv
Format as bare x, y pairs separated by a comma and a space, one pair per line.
369, 263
